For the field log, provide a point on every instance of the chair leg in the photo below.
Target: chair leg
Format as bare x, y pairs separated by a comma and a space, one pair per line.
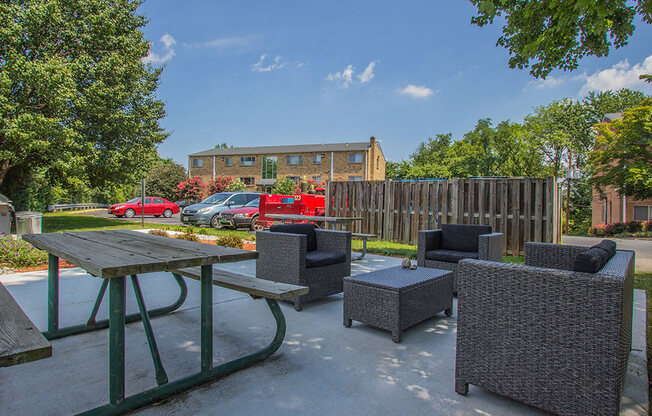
347, 322
461, 387
298, 305
448, 311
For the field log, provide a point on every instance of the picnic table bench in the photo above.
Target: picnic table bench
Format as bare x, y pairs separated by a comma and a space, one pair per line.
20, 340
364, 238
115, 255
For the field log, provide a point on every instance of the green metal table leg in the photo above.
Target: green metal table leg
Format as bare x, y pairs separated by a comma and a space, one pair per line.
161, 377
206, 317
98, 302
117, 341
158, 393
104, 323
53, 293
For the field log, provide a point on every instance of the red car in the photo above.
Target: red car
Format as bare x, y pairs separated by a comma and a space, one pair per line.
153, 206
244, 216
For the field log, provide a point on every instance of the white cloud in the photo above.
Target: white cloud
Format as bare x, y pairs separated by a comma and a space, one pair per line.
345, 76
416, 91
549, 82
168, 44
225, 44
621, 75
368, 73
272, 65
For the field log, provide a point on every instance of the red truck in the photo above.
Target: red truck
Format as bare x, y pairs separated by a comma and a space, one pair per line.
299, 204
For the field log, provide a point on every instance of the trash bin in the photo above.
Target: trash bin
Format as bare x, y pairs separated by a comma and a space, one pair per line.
28, 222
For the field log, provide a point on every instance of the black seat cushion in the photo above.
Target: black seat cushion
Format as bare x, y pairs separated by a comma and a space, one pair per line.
318, 258
450, 256
591, 260
607, 245
462, 237
308, 229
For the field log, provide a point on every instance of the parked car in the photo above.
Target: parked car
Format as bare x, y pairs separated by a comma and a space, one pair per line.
208, 211
153, 206
245, 216
186, 203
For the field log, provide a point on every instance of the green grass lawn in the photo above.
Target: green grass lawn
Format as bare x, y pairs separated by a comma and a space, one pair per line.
56, 222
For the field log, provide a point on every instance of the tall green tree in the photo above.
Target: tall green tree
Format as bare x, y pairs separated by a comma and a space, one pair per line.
76, 98
162, 180
598, 104
622, 156
555, 34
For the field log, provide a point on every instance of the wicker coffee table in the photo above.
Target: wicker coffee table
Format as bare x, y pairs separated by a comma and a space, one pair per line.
395, 299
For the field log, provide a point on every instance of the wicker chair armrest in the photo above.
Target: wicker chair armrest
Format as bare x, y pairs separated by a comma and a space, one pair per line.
427, 240
333, 241
553, 256
283, 251
490, 247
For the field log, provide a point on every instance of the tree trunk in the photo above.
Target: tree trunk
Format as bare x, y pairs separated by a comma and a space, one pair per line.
4, 168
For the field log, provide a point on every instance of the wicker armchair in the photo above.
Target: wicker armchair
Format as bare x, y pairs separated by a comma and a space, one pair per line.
543, 334
444, 248
285, 257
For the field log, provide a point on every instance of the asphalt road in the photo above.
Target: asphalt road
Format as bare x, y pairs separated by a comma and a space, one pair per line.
642, 247
173, 220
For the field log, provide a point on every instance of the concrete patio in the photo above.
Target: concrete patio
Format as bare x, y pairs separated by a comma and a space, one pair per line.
322, 368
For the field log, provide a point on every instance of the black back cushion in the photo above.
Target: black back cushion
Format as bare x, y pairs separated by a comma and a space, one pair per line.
591, 260
608, 246
462, 237
308, 229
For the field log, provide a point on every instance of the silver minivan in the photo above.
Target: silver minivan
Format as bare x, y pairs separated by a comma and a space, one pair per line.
208, 211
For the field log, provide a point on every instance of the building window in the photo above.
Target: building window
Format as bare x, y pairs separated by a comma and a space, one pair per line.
317, 179
247, 160
642, 213
294, 160
355, 178
378, 162
296, 179
270, 163
197, 163
316, 159
355, 157
228, 161
248, 180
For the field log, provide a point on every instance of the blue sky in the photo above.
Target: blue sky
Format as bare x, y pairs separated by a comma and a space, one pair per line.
253, 73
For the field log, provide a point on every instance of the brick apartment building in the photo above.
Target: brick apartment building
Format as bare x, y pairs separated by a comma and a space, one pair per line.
609, 207
261, 166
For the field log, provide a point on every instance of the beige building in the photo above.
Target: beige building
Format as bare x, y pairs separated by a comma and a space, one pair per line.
263, 165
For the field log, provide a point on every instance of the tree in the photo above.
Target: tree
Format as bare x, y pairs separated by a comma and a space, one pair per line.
162, 180
219, 184
549, 34
75, 97
622, 157
605, 102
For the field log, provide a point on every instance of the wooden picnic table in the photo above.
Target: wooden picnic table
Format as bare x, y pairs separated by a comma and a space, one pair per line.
343, 221
113, 255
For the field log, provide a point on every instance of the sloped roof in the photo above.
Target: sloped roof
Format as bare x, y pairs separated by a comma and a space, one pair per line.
296, 148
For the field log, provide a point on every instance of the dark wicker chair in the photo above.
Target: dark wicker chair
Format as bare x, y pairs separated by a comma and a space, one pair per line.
545, 335
444, 248
302, 255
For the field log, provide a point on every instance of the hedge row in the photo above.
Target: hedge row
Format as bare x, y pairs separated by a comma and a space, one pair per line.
605, 230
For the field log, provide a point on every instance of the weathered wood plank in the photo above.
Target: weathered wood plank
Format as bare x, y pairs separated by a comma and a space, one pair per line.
247, 284
20, 339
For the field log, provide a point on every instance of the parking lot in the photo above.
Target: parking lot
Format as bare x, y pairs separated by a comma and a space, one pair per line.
173, 220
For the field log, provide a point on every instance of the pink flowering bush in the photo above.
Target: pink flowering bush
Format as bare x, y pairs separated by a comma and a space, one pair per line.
220, 184
192, 189
18, 253
606, 230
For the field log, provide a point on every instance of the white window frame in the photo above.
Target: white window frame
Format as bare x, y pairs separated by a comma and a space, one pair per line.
649, 212
316, 159
247, 160
197, 162
353, 157
290, 159
228, 161
355, 178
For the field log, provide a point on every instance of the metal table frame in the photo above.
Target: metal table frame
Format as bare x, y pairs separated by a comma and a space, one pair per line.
118, 403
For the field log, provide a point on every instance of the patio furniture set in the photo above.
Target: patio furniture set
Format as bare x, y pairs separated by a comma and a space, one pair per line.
554, 333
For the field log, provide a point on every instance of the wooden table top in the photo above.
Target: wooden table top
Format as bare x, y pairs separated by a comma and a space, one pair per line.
115, 253
296, 217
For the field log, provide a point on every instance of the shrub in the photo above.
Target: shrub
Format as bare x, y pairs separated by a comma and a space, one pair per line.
192, 188
220, 184
634, 226
237, 186
229, 241
162, 233
19, 253
646, 226
188, 236
162, 179
285, 186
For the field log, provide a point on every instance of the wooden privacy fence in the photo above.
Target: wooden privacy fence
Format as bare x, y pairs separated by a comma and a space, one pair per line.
524, 209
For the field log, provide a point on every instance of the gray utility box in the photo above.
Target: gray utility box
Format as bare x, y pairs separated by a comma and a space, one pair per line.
28, 222
5, 214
